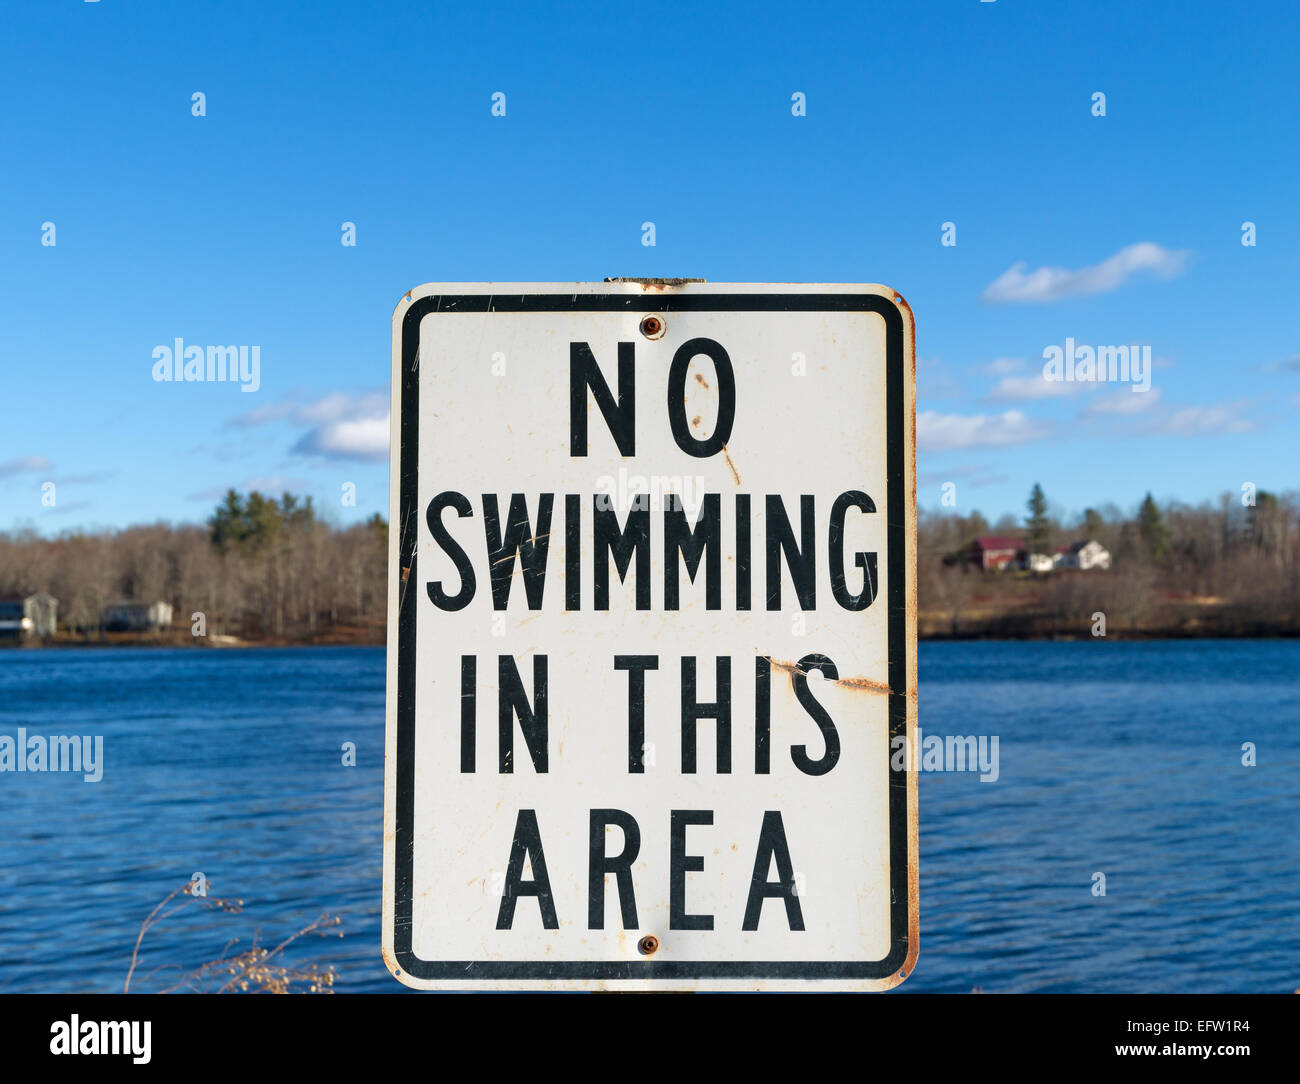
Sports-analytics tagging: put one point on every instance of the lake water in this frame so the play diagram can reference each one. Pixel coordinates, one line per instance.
(1123, 759)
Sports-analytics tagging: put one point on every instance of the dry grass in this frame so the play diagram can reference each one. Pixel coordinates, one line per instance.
(256, 969)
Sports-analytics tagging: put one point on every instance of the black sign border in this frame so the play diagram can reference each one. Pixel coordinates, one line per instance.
(898, 496)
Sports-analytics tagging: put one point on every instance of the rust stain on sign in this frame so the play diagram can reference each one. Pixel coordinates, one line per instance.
(726, 452)
(655, 283)
(530, 542)
(860, 684)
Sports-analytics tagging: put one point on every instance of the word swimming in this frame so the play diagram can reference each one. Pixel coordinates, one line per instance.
(213, 364)
(634, 546)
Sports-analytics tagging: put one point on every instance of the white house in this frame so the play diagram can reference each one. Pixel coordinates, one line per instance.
(1039, 562)
(1083, 555)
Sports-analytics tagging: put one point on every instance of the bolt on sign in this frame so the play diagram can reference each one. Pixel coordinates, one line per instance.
(652, 637)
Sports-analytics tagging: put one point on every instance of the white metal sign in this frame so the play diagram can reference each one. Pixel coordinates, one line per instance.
(651, 637)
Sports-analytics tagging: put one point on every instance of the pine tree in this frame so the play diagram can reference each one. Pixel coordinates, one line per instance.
(1152, 529)
(1038, 531)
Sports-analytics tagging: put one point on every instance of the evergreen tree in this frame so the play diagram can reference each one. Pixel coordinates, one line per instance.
(1152, 529)
(1261, 518)
(1038, 531)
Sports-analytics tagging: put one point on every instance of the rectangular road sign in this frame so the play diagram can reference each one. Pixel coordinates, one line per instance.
(652, 637)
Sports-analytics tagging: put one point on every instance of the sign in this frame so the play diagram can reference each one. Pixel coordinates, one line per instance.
(652, 637)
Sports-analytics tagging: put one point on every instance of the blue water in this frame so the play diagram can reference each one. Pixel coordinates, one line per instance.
(1115, 758)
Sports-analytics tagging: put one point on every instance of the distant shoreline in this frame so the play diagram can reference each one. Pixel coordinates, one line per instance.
(930, 635)
(184, 639)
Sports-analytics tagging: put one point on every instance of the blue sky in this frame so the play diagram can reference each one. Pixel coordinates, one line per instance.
(225, 228)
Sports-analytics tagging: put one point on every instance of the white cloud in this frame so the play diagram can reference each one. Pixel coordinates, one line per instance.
(1016, 285)
(1003, 366)
(1016, 383)
(27, 465)
(1036, 387)
(1209, 420)
(1127, 401)
(341, 425)
(336, 406)
(944, 432)
(358, 438)
(341, 407)
(272, 412)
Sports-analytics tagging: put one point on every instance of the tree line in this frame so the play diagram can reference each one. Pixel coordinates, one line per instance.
(261, 569)
(1224, 567)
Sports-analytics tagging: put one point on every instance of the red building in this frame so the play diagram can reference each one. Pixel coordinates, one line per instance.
(992, 553)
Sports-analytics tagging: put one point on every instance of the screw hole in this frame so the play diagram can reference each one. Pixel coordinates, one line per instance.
(653, 327)
(648, 945)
